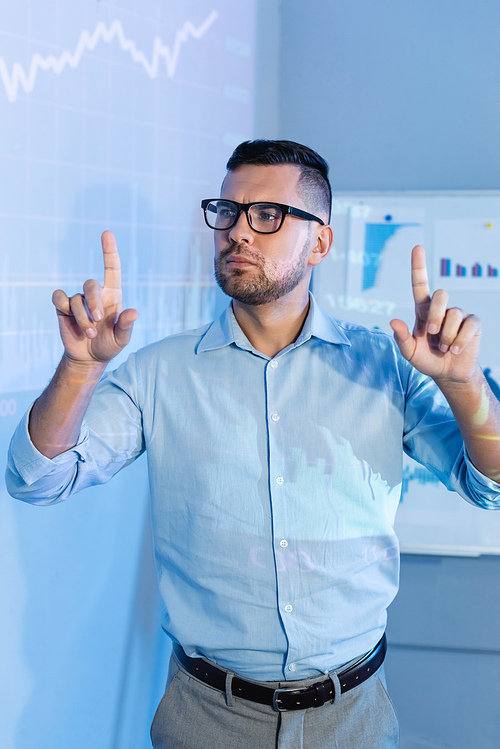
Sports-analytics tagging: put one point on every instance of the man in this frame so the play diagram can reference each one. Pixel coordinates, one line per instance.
(274, 439)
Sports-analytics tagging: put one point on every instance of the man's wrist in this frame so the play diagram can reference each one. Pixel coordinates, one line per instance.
(82, 372)
(471, 384)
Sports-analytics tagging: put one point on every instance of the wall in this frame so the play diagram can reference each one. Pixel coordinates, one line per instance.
(406, 95)
(396, 95)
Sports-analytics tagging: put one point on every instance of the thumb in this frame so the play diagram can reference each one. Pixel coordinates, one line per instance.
(404, 339)
(124, 326)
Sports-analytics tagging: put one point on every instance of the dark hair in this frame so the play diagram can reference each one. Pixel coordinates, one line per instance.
(313, 182)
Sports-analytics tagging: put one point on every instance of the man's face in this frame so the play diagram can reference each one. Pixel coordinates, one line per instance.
(258, 268)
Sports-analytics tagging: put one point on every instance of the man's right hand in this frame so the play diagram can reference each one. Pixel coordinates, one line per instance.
(94, 326)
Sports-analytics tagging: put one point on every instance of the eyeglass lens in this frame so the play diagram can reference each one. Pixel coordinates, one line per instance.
(263, 217)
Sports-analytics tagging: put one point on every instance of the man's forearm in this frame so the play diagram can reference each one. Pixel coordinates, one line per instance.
(57, 415)
(477, 413)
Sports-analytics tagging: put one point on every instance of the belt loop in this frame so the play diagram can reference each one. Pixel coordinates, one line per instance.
(229, 691)
(336, 685)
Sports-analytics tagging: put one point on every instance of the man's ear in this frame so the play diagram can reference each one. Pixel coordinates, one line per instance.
(322, 246)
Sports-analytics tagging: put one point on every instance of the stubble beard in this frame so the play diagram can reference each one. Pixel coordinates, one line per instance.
(255, 286)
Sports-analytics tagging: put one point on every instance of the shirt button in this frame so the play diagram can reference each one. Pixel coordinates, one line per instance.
(275, 416)
(292, 667)
(274, 364)
(288, 608)
(283, 543)
(280, 480)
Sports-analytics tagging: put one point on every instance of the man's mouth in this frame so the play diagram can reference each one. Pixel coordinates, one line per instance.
(238, 261)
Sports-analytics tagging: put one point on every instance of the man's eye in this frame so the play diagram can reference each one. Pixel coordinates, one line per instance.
(226, 212)
(268, 216)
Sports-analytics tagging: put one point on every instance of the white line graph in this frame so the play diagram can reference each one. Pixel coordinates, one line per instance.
(19, 78)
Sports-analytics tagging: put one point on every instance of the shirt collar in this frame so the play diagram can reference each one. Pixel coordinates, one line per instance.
(225, 330)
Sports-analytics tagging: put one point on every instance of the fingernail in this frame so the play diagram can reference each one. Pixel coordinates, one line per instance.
(432, 328)
(97, 315)
(443, 348)
(91, 332)
(455, 350)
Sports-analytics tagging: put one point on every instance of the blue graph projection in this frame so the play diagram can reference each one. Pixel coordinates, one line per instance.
(120, 115)
(20, 78)
(418, 475)
(113, 118)
(376, 238)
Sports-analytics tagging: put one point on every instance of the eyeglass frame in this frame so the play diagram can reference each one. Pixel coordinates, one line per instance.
(285, 211)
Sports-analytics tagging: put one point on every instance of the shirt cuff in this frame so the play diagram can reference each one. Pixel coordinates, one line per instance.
(479, 481)
(29, 462)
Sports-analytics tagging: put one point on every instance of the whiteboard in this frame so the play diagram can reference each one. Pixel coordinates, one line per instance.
(366, 280)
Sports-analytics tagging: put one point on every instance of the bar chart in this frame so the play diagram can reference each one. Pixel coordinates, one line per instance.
(467, 252)
(477, 270)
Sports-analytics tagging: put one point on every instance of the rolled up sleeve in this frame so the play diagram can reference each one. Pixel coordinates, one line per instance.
(110, 438)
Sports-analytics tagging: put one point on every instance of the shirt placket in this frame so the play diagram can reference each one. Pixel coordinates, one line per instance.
(283, 545)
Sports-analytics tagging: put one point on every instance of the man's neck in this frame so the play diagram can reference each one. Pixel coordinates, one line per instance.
(272, 327)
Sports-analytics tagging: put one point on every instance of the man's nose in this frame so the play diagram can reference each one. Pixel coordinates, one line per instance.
(241, 231)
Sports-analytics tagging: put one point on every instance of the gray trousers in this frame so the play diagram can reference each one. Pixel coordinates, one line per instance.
(192, 715)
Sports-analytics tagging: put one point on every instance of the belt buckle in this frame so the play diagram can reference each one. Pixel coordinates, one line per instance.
(287, 690)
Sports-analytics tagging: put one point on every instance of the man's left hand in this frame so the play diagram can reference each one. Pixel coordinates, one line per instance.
(445, 340)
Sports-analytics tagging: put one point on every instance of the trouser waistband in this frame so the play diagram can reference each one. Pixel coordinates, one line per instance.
(314, 695)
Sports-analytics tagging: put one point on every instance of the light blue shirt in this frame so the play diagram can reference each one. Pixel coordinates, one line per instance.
(274, 484)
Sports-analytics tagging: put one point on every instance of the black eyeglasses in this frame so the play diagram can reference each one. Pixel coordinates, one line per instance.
(264, 218)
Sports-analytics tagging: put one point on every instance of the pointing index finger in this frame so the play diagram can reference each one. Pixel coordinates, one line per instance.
(112, 264)
(419, 278)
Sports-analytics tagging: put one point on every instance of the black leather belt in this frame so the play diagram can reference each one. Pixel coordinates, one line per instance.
(285, 699)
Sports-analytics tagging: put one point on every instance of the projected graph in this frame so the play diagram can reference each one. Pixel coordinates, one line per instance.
(120, 115)
(477, 270)
(376, 238)
(111, 118)
(417, 475)
(467, 253)
(20, 78)
(30, 340)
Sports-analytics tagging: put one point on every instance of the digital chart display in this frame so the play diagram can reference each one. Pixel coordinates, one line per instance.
(366, 280)
(113, 115)
(120, 118)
